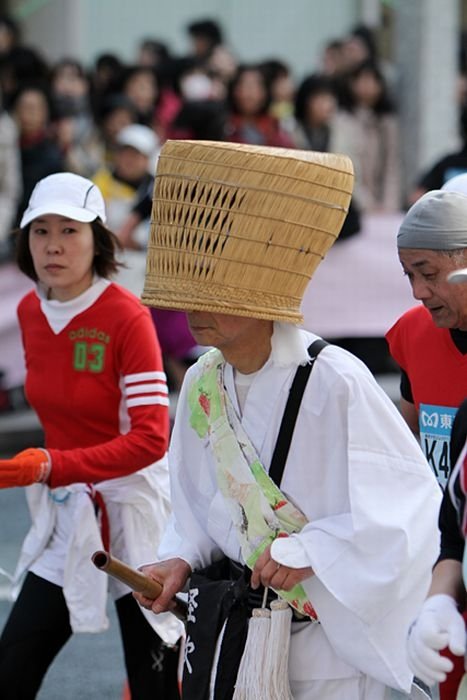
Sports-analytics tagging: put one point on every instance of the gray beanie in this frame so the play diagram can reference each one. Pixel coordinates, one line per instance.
(437, 221)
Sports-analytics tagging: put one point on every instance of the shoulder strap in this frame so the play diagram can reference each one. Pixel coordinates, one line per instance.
(292, 407)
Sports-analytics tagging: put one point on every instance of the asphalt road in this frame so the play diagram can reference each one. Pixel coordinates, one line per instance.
(90, 666)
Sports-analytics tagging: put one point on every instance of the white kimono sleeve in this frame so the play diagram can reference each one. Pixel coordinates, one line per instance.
(372, 560)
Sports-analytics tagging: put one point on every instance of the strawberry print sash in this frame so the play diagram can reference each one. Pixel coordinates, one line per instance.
(259, 510)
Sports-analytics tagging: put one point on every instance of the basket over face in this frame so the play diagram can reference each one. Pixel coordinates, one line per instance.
(240, 229)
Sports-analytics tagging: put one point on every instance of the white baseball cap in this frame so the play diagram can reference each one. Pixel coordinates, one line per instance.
(65, 194)
(139, 137)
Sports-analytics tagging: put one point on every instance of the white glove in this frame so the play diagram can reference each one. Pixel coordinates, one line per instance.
(438, 625)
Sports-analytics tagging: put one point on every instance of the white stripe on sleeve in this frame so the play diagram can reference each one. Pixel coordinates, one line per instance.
(157, 387)
(148, 401)
(145, 377)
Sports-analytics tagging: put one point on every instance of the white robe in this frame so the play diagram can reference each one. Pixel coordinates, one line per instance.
(360, 478)
(137, 505)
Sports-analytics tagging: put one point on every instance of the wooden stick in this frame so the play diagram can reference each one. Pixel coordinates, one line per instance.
(133, 578)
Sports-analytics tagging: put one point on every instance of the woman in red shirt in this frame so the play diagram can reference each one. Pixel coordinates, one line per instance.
(95, 379)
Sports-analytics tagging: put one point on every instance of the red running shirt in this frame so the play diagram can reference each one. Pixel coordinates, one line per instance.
(98, 387)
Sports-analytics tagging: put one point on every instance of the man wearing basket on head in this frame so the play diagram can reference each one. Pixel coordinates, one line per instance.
(338, 519)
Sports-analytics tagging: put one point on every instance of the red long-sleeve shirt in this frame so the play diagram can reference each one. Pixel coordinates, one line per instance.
(98, 387)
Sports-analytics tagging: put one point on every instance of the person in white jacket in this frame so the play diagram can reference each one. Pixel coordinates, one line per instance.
(349, 534)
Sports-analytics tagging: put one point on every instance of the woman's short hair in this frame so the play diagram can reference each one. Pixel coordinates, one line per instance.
(240, 72)
(105, 263)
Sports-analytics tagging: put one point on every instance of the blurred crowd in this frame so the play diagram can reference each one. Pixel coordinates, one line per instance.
(68, 116)
(108, 121)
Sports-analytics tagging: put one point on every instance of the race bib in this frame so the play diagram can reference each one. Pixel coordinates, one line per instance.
(435, 433)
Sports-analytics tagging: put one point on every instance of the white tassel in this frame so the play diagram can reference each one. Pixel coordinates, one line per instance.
(250, 678)
(276, 670)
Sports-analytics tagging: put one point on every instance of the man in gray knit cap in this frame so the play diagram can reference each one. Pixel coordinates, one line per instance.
(429, 342)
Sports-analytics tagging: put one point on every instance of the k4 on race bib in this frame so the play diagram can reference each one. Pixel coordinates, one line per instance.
(435, 433)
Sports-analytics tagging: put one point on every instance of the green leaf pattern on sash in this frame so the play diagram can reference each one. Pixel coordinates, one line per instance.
(203, 398)
(260, 512)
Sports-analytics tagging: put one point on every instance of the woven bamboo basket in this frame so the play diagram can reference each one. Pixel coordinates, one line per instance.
(240, 229)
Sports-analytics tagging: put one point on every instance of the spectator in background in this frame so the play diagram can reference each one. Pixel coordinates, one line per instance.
(105, 79)
(223, 65)
(98, 148)
(69, 88)
(448, 166)
(282, 87)
(39, 151)
(132, 172)
(141, 87)
(179, 349)
(207, 45)
(155, 104)
(367, 129)
(152, 52)
(10, 178)
(358, 47)
(116, 112)
(332, 60)
(73, 120)
(361, 45)
(315, 107)
(22, 66)
(155, 55)
(205, 35)
(122, 186)
(248, 119)
(201, 113)
(462, 71)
